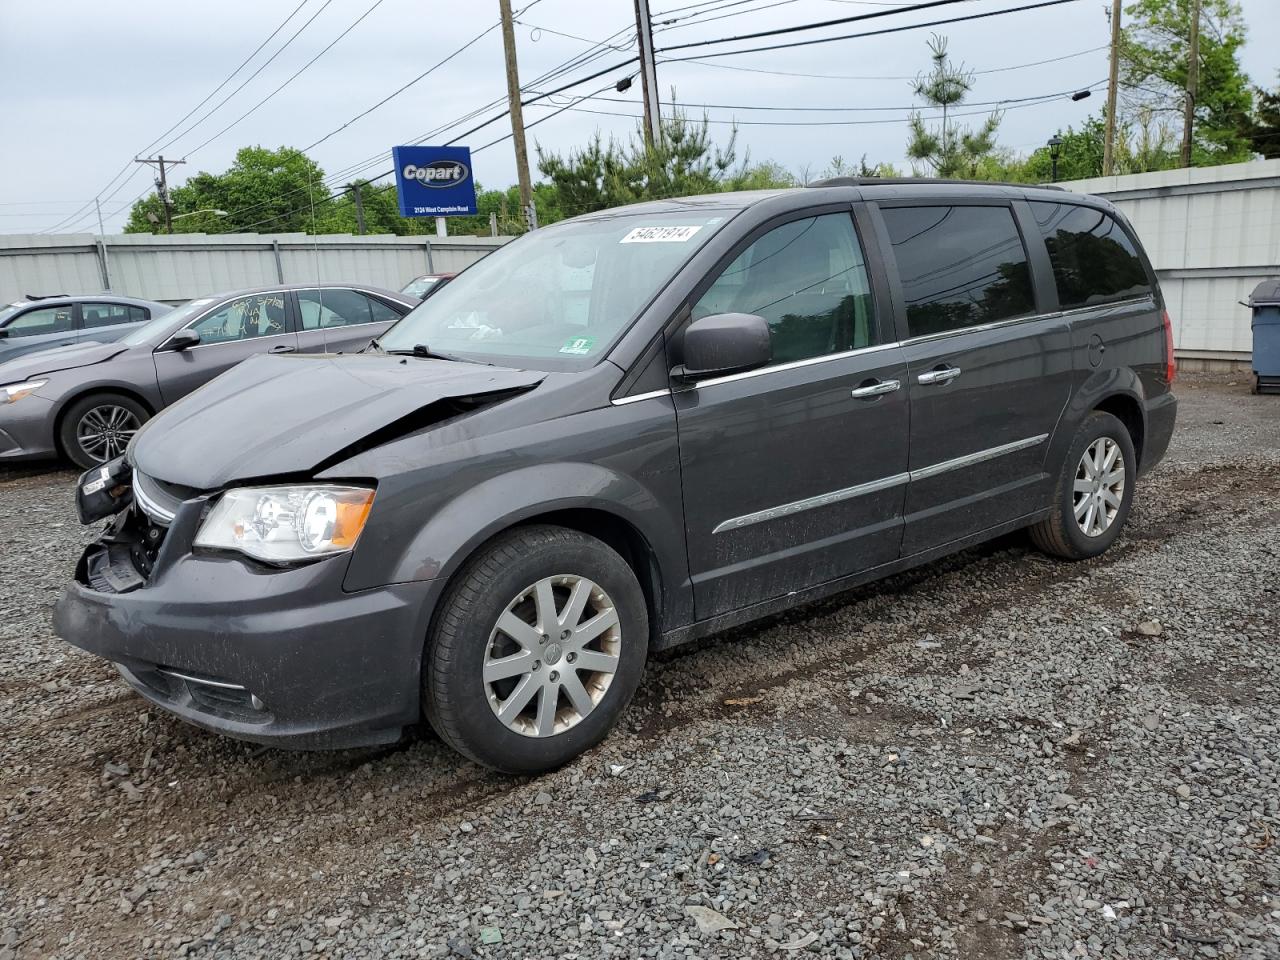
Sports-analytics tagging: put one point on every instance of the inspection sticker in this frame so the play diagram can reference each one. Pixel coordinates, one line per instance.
(660, 234)
(578, 346)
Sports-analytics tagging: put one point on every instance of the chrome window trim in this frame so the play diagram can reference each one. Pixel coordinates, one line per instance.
(794, 365)
(636, 398)
(1027, 318)
(810, 503)
(874, 486)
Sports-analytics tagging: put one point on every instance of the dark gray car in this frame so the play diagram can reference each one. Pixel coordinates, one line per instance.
(40, 323)
(616, 434)
(86, 402)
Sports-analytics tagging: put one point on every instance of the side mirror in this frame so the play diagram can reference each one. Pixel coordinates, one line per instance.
(4, 333)
(182, 340)
(724, 343)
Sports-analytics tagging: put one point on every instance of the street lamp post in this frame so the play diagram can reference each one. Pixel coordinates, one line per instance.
(1055, 150)
(216, 213)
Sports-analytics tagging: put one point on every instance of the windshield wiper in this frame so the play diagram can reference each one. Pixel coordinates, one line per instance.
(421, 351)
(373, 345)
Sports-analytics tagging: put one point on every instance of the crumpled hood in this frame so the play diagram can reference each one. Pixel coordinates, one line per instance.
(38, 364)
(280, 415)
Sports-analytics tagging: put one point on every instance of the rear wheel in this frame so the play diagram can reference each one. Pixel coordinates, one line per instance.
(1094, 491)
(538, 647)
(98, 428)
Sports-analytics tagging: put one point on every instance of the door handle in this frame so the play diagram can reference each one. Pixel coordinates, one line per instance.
(876, 389)
(282, 348)
(942, 375)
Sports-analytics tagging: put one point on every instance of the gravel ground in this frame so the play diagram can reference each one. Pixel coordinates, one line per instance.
(998, 755)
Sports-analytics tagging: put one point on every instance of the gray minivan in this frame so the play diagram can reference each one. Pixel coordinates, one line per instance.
(616, 434)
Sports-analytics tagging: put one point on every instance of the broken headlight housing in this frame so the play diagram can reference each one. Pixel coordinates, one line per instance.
(287, 524)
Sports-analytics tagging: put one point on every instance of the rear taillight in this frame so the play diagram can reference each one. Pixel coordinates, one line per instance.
(1170, 364)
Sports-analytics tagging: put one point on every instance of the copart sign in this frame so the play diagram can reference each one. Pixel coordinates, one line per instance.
(434, 181)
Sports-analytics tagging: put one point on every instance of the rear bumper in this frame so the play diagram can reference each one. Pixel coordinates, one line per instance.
(1162, 414)
(280, 657)
(26, 430)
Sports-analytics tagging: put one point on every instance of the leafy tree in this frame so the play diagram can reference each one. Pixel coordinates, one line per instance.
(1154, 56)
(684, 162)
(263, 190)
(951, 150)
(1265, 129)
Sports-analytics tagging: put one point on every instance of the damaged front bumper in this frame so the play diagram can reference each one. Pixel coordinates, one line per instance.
(282, 656)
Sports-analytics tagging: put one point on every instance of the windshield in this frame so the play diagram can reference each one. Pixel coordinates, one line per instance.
(420, 286)
(157, 326)
(557, 298)
(6, 313)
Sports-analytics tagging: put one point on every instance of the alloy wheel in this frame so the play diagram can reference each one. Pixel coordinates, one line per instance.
(1099, 487)
(552, 655)
(104, 432)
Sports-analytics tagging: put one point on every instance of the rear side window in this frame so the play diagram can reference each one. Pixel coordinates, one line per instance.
(961, 266)
(808, 279)
(109, 314)
(1094, 260)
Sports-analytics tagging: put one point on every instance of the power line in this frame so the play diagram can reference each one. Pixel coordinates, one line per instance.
(845, 76)
(243, 63)
(1026, 102)
(854, 36)
(80, 214)
(293, 77)
(791, 109)
(310, 20)
(820, 24)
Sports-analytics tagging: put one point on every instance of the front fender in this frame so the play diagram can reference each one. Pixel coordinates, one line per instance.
(453, 531)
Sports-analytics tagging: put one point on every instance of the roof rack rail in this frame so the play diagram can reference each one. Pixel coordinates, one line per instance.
(894, 181)
(44, 296)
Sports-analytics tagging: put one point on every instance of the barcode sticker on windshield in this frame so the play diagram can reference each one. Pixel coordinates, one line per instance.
(660, 234)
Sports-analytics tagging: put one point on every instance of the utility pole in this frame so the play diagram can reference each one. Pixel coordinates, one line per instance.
(162, 185)
(1109, 144)
(514, 108)
(1193, 79)
(648, 74)
(359, 202)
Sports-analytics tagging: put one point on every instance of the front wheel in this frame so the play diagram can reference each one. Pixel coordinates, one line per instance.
(536, 650)
(1094, 491)
(98, 428)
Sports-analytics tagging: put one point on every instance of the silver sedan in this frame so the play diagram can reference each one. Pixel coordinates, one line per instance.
(85, 402)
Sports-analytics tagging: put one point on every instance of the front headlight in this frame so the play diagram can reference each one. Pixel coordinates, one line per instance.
(13, 392)
(285, 524)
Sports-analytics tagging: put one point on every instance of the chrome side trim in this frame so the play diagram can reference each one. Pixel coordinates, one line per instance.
(1051, 315)
(795, 364)
(980, 456)
(848, 493)
(200, 680)
(810, 503)
(636, 398)
(149, 506)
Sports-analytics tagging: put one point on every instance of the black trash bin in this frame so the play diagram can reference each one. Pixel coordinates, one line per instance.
(1265, 304)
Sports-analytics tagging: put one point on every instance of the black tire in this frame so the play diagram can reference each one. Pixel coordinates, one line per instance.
(70, 437)
(1060, 534)
(455, 696)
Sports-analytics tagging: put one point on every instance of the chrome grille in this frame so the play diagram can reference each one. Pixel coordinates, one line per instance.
(159, 505)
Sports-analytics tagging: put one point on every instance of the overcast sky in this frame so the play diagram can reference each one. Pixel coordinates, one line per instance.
(87, 85)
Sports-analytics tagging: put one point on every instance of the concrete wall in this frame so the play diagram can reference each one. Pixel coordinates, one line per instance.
(1212, 234)
(195, 264)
